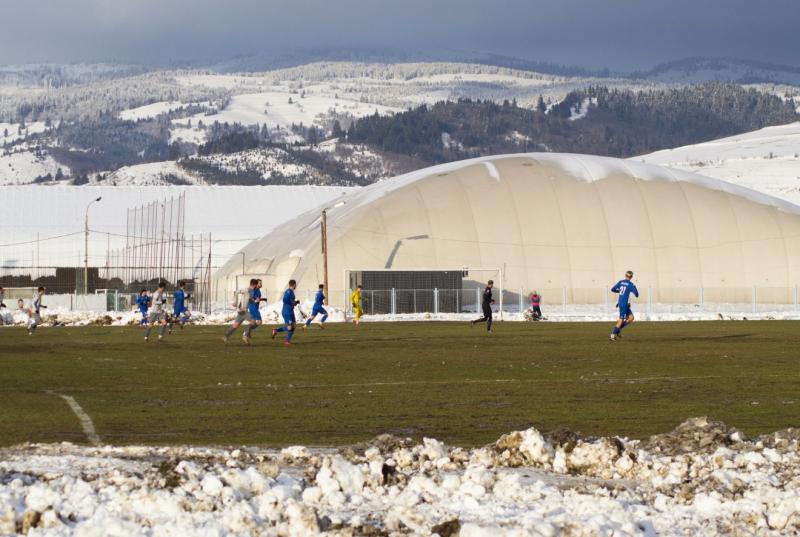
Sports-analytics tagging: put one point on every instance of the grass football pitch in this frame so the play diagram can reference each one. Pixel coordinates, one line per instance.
(345, 384)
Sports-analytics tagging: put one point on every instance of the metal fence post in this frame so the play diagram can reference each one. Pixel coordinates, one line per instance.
(477, 299)
(394, 302)
(436, 300)
(415, 301)
(520, 300)
(564, 300)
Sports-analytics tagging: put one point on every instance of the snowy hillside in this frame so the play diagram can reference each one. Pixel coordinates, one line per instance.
(402, 85)
(693, 70)
(149, 111)
(23, 165)
(767, 160)
(150, 174)
(112, 126)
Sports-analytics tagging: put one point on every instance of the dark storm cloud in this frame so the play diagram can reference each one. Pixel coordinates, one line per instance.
(620, 34)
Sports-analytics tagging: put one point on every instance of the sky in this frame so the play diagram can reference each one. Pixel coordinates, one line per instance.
(622, 35)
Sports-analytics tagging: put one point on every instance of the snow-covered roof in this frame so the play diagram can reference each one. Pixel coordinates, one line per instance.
(589, 168)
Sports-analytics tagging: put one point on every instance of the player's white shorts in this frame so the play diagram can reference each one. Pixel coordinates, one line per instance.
(242, 316)
(156, 316)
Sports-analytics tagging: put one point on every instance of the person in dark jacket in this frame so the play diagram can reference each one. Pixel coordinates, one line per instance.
(486, 306)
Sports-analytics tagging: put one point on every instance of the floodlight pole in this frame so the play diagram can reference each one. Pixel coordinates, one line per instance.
(324, 229)
(86, 248)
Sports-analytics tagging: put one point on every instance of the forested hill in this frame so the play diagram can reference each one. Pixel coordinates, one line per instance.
(597, 120)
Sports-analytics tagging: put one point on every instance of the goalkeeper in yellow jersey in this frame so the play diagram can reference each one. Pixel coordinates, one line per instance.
(355, 301)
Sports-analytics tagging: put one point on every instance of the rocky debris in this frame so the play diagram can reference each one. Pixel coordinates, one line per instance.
(783, 439)
(563, 438)
(524, 448)
(103, 320)
(695, 435)
(450, 528)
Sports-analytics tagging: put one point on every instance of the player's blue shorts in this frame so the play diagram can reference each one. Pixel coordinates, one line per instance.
(144, 318)
(178, 311)
(625, 311)
(318, 310)
(255, 313)
(288, 316)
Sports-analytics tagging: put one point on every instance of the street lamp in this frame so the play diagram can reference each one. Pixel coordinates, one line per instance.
(324, 230)
(86, 247)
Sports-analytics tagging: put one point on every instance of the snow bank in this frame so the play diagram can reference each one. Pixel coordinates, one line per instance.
(271, 314)
(702, 478)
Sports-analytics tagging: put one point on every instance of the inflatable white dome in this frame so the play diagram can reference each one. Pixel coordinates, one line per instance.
(548, 221)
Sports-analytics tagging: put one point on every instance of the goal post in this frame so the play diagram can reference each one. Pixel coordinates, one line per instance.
(400, 291)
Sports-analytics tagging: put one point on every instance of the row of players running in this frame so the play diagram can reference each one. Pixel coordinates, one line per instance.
(248, 302)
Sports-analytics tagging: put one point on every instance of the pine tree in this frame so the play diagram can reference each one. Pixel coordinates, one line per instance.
(313, 137)
(337, 131)
(540, 106)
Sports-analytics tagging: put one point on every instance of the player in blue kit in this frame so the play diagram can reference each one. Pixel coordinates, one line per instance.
(289, 303)
(318, 309)
(253, 308)
(143, 303)
(625, 288)
(180, 312)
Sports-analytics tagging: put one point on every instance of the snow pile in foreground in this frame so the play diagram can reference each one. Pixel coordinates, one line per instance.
(702, 478)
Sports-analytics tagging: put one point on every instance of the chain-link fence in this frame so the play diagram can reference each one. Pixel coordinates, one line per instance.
(578, 301)
(72, 289)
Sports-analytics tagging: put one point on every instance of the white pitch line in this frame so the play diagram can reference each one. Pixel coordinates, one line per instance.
(83, 417)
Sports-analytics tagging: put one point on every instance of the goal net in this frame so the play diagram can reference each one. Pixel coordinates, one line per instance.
(395, 291)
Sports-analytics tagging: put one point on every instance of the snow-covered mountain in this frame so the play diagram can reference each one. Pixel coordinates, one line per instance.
(694, 70)
(767, 160)
(183, 105)
(180, 106)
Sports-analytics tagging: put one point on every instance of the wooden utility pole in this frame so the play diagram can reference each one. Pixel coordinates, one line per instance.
(324, 228)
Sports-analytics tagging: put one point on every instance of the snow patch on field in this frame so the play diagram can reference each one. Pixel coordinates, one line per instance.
(149, 111)
(189, 135)
(701, 478)
(22, 166)
(13, 130)
(150, 174)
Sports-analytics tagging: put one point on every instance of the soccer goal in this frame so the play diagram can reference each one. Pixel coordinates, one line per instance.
(398, 291)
